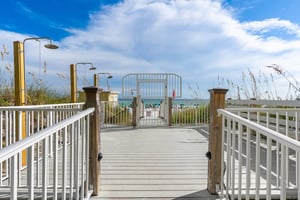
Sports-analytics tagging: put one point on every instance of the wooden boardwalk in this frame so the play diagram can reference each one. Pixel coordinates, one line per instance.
(164, 163)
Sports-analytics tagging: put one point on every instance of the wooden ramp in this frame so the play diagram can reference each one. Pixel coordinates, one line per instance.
(154, 164)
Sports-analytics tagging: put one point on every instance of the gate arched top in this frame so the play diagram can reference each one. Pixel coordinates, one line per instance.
(152, 85)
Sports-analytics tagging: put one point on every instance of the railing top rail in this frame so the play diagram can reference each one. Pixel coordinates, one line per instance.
(293, 103)
(291, 143)
(39, 109)
(245, 109)
(17, 147)
(38, 106)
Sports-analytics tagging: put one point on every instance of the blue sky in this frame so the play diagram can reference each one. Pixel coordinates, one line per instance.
(210, 43)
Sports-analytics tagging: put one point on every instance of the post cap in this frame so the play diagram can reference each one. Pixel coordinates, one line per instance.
(218, 90)
(91, 89)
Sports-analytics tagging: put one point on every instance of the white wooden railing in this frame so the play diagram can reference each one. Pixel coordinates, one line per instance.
(113, 113)
(17, 122)
(262, 103)
(34, 118)
(261, 153)
(155, 113)
(52, 161)
(190, 113)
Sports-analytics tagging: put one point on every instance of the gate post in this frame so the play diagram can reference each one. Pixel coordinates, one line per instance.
(134, 111)
(170, 105)
(217, 101)
(92, 100)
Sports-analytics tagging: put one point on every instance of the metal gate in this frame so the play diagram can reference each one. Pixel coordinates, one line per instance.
(152, 91)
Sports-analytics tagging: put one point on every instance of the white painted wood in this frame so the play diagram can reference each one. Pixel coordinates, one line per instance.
(82, 161)
(269, 165)
(283, 173)
(55, 167)
(298, 172)
(265, 152)
(30, 175)
(45, 168)
(76, 161)
(240, 145)
(257, 166)
(14, 179)
(72, 143)
(65, 160)
(87, 155)
(51, 176)
(154, 163)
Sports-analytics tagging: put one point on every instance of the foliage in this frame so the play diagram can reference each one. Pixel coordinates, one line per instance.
(261, 85)
(44, 95)
(191, 115)
(37, 92)
(7, 97)
(35, 96)
(117, 115)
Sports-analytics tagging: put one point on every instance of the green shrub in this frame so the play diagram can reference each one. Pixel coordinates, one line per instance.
(117, 115)
(191, 115)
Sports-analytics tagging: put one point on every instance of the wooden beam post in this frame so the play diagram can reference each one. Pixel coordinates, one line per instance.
(92, 100)
(170, 102)
(134, 111)
(217, 101)
(73, 83)
(20, 93)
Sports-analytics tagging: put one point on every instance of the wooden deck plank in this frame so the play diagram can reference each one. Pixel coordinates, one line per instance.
(154, 164)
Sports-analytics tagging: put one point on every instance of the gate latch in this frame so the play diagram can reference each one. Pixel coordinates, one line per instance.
(208, 155)
(100, 156)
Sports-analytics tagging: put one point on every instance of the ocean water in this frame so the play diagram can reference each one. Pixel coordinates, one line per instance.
(157, 102)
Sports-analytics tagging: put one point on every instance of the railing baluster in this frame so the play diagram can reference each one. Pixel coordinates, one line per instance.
(64, 168)
(45, 169)
(30, 172)
(248, 158)
(269, 168)
(277, 150)
(287, 151)
(296, 137)
(233, 157)
(38, 164)
(38, 151)
(43, 125)
(222, 155)
(55, 168)
(283, 173)
(298, 173)
(257, 165)
(7, 134)
(87, 155)
(228, 149)
(72, 140)
(83, 132)
(20, 132)
(11, 125)
(269, 161)
(13, 177)
(7, 142)
(1, 145)
(76, 176)
(49, 123)
(240, 153)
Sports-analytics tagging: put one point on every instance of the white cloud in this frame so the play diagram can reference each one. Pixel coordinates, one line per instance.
(271, 24)
(199, 40)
